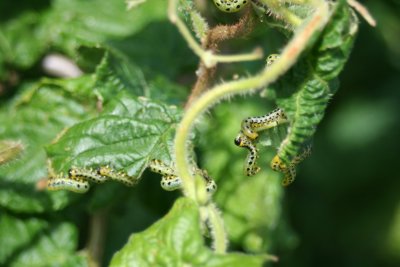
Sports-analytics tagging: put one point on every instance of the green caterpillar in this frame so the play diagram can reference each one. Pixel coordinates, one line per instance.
(170, 181)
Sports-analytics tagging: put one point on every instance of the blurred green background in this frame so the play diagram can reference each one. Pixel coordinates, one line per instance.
(344, 207)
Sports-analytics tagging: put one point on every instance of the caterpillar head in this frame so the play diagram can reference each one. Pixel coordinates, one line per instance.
(242, 140)
(230, 6)
(277, 164)
(271, 59)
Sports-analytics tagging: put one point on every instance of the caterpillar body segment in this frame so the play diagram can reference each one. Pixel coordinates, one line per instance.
(65, 183)
(251, 125)
(250, 166)
(171, 181)
(86, 174)
(119, 176)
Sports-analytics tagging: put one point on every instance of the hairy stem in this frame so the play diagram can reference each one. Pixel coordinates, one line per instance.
(206, 56)
(288, 57)
(217, 229)
(212, 40)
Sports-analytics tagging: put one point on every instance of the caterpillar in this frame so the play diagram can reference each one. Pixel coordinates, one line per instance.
(211, 186)
(119, 176)
(86, 174)
(170, 181)
(250, 167)
(251, 125)
(230, 6)
(289, 171)
(65, 183)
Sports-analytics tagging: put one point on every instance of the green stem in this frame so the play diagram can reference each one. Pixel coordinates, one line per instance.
(288, 58)
(217, 229)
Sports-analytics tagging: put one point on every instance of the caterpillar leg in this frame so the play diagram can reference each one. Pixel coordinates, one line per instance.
(250, 166)
(251, 125)
(65, 183)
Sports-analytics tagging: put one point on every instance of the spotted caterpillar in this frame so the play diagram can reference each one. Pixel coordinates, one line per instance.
(250, 167)
(78, 178)
(289, 171)
(170, 181)
(250, 126)
(60, 182)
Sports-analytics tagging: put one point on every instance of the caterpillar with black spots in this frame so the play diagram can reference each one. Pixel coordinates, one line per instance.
(250, 166)
(60, 182)
(171, 181)
(251, 125)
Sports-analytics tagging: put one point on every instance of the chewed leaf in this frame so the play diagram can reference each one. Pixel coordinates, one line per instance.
(126, 136)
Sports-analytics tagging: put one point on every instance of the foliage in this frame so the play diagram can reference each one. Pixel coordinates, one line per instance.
(127, 106)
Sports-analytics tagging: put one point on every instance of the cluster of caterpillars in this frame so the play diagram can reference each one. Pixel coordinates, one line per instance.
(171, 181)
(78, 179)
(249, 133)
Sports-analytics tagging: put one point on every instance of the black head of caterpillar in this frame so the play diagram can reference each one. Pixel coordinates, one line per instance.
(250, 166)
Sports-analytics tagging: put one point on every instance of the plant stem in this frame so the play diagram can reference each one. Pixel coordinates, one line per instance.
(217, 229)
(288, 57)
(206, 56)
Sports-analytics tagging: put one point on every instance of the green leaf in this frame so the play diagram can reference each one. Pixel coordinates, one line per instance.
(34, 242)
(176, 240)
(35, 118)
(251, 206)
(67, 24)
(128, 133)
(304, 91)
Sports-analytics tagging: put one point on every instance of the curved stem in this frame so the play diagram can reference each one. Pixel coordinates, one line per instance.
(288, 58)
